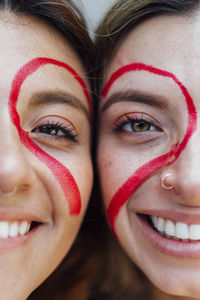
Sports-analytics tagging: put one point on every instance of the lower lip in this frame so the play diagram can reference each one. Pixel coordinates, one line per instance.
(170, 246)
(13, 242)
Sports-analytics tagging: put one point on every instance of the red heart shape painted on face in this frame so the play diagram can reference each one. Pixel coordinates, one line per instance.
(141, 174)
(61, 173)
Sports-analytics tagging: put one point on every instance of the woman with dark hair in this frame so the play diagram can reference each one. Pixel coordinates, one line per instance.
(46, 171)
(147, 55)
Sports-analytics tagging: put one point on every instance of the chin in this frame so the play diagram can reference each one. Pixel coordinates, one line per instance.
(175, 285)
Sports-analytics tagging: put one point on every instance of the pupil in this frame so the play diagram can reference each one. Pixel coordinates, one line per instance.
(48, 130)
(140, 126)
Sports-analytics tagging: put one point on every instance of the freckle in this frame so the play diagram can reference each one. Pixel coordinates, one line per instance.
(145, 171)
(107, 164)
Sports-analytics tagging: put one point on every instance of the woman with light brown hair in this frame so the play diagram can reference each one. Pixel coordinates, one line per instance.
(147, 56)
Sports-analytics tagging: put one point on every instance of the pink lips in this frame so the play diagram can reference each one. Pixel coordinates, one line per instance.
(61, 173)
(145, 171)
(169, 246)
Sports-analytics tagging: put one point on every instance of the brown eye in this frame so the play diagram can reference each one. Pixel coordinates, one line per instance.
(57, 131)
(48, 129)
(140, 126)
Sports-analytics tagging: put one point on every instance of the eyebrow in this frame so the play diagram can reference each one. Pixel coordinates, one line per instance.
(42, 98)
(135, 96)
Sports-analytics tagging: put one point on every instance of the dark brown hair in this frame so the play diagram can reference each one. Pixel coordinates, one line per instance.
(72, 278)
(64, 16)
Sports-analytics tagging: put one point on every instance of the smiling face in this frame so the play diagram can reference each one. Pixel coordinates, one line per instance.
(148, 129)
(44, 152)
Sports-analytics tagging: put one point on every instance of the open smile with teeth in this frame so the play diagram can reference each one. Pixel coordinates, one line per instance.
(175, 230)
(14, 228)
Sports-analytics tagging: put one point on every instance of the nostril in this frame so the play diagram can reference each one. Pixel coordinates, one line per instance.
(8, 193)
(23, 187)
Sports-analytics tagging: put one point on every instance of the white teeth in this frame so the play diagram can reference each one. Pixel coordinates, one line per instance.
(176, 230)
(161, 225)
(28, 227)
(194, 232)
(182, 231)
(13, 229)
(4, 229)
(24, 227)
(169, 228)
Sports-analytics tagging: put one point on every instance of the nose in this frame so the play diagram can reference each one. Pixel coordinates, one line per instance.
(15, 170)
(184, 174)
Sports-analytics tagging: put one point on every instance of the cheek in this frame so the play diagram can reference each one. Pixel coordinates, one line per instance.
(83, 174)
(130, 185)
(107, 168)
(60, 172)
(115, 167)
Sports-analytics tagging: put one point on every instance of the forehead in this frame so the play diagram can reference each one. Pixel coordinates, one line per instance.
(166, 42)
(24, 38)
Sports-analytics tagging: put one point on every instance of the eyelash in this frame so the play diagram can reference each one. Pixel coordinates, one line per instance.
(68, 133)
(126, 119)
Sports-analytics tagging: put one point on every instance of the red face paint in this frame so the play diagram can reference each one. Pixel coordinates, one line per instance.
(145, 171)
(61, 173)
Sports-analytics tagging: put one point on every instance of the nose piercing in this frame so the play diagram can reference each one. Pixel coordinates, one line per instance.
(12, 192)
(164, 182)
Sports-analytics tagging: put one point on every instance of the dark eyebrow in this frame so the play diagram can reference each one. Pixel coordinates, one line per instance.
(135, 96)
(42, 98)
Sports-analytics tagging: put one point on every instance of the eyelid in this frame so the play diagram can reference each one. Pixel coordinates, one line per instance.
(52, 119)
(70, 133)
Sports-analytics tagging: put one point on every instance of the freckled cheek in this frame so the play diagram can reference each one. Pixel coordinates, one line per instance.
(114, 168)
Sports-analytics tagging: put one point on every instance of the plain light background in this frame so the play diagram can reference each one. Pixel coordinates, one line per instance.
(94, 11)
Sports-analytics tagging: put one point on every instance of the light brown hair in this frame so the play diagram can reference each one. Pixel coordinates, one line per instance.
(124, 16)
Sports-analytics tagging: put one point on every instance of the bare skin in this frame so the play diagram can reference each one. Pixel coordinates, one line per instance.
(61, 130)
(134, 132)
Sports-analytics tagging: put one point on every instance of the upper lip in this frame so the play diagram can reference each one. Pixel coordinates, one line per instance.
(15, 215)
(173, 215)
